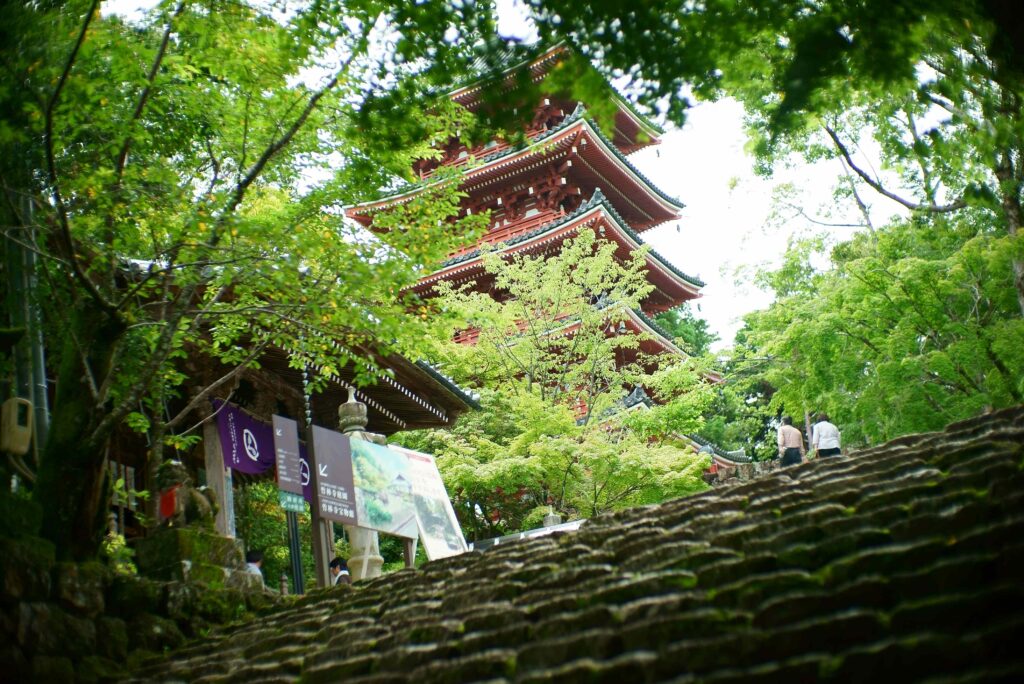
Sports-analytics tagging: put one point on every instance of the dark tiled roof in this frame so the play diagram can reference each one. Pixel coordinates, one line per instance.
(737, 456)
(598, 198)
(469, 399)
(902, 562)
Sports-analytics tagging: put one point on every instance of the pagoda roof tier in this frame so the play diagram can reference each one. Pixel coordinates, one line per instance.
(655, 339)
(580, 150)
(672, 286)
(633, 130)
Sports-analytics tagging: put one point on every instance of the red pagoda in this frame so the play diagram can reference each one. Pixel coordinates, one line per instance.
(568, 176)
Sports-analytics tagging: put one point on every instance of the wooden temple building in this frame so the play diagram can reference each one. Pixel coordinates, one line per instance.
(405, 395)
(568, 176)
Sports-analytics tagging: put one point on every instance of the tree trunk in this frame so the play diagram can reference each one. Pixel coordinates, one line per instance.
(73, 486)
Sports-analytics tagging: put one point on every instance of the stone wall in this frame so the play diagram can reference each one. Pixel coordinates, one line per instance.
(901, 563)
(72, 622)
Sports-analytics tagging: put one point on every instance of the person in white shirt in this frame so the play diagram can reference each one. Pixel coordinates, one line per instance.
(825, 437)
(253, 563)
(339, 572)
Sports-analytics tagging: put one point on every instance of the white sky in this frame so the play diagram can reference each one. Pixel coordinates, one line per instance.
(722, 235)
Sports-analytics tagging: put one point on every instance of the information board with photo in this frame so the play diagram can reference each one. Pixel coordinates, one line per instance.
(439, 529)
(384, 494)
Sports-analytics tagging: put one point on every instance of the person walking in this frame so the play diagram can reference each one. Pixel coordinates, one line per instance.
(339, 572)
(254, 564)
(825, 437)
(791, 443)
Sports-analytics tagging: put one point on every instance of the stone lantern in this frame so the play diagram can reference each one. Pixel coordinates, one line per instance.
(366, 561)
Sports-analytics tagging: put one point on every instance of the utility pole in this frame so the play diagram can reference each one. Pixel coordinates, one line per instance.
(23, 307)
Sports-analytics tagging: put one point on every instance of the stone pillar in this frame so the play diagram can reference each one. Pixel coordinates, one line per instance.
(218, 479)
(366, 561)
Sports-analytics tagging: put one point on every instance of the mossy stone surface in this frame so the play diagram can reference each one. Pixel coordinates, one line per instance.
(25, 569)
(22, 517)
(111, 638)
(45, 629)
(52, 669)
(153, 633)
(129, 597)
(80, 587)
(160, 555)
(96, 669)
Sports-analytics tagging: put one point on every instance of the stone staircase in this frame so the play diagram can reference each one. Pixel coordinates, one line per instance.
(905, 562)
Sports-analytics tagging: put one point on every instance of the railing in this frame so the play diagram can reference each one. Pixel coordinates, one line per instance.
(506, 233)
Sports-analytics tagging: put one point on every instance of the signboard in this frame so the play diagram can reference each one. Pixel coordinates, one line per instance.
(389, 489)
(438, 527)
(334, 493)
(289, 464)
(246, 443)
(384, 491)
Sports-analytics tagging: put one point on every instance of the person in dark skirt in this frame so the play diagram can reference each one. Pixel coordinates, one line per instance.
(791, 443)
(825, 437)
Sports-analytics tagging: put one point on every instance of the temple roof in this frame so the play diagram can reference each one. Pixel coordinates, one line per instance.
(900, 561)
(508, 61)
(501, 161)
(597, 202)
(406, 395)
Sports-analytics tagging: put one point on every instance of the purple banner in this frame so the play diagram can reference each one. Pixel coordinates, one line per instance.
(247, 443)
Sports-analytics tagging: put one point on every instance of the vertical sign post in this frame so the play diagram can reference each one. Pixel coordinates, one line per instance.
(289, 482)
(289, 474)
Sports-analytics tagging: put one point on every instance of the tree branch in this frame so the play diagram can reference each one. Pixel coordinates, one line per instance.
(198, 398)
(913, 206)
(51, 167)
(140, 106)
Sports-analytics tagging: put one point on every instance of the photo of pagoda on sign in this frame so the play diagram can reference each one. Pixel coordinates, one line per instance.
(384, 498)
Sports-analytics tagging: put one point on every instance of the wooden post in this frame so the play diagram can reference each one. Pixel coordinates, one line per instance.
(218, 479)
(410, 552)
(323, 549)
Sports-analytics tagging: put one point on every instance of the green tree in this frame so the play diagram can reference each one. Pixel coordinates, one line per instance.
(553, 369)
(186, 182)
(907, 331)
(508, 465)
(551, 325)
(685, 327)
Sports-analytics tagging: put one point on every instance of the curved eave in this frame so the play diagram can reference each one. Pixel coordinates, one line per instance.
(404, 395)
(460, 394)
(467, 95)
(642, 324)
(597, 208)
(560, 140)
(641, 123)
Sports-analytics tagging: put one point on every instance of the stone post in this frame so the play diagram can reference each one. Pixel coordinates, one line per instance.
(366, 561)
(218, 479)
